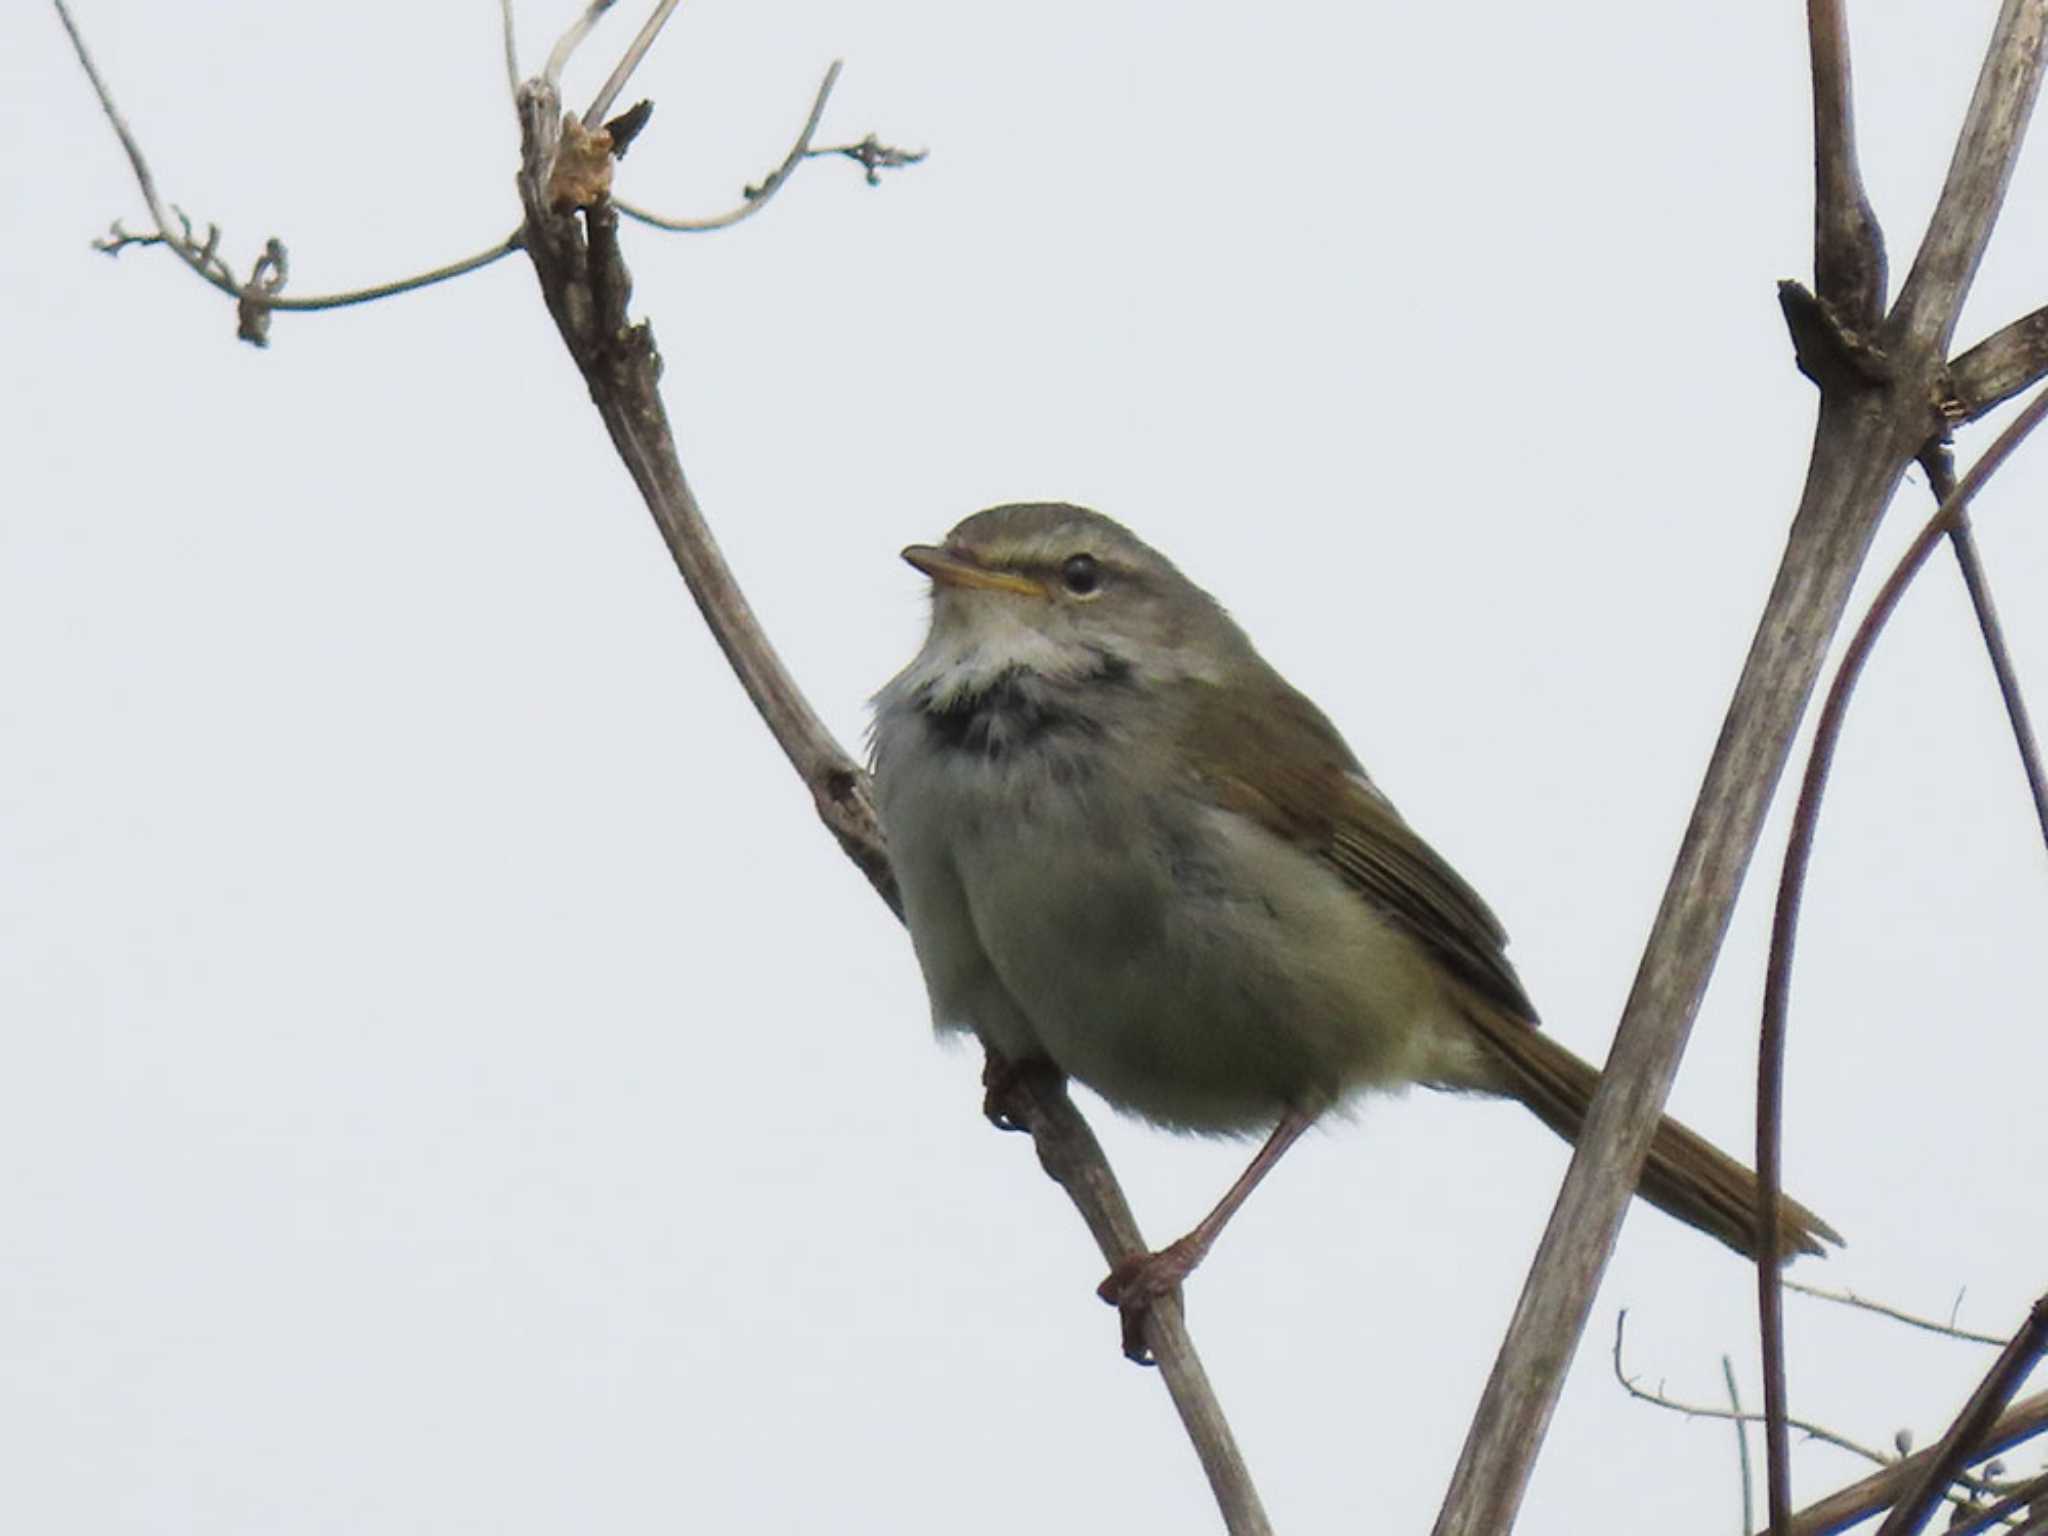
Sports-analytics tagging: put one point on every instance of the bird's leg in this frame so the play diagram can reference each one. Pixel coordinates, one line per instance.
(1137, 1282)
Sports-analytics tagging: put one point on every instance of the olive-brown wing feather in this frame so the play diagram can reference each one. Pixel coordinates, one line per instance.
(1270, 754)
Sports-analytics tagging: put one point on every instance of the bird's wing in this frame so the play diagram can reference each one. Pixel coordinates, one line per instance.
(1270, 754)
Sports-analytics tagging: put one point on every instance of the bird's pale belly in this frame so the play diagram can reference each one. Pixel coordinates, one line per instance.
(1207, 980)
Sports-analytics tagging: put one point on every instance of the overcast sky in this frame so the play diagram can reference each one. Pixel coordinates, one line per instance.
(451, 1082)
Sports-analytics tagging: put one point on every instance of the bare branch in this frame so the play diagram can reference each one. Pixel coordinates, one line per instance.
(1859, 456)
(1979, 584)
(2032, 1492)
(1986, 149)
(872, 154)
(1941, 479)
(1851, 1299)
(623, 70)
(1741, 1437)
(1784, 936)
(260, 291)
(587, 288)
(1870, 429)
(1964, 1442)
(466, 264)
(1999, 367)
(569, 42)
(135, 159)
(1069, 1153)
(1658, 1398)
(1860, 1500)
(511, 49)
(619, 359)
(1848, 245)
(260, 295)
(754, 198)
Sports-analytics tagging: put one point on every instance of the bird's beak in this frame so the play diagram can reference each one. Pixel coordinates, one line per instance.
(950, 569)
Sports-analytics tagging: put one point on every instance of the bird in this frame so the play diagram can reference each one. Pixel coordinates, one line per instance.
(1130, 852)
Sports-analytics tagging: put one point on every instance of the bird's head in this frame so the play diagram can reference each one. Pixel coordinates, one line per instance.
(1065, 595)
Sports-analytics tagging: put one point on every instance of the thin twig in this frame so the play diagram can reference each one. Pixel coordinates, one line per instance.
(623, 70)
(1741, 1440)
(1771, 1299)
(1659, 1398)
(872, 155)
(511, 50)
(570, 41)
(467, 264)
(1979, 585)
(1851, 1299)
(1784, 937)
(1941, 480)
(755, 198)
(1963, 1443)
(206, 262)
(1860, 1500)
(203, 256)
(2029, 1492)
(141, 166)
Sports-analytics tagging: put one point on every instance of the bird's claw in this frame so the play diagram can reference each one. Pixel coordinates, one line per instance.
(1004, 1095)
(1137, 1282)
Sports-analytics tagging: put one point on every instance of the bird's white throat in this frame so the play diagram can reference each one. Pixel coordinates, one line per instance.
(976, 642)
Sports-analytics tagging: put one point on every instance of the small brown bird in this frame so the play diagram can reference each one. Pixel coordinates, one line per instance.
(1127, 847)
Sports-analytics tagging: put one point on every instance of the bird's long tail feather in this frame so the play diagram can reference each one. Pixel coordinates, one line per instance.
(1686, 1174)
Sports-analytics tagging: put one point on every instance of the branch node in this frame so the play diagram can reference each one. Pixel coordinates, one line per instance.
(1834, 354)
(873, 156)
(627, 125)
(581, 175)
(117, 239)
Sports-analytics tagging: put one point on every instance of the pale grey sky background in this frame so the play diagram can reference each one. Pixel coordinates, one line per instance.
(451, 1083)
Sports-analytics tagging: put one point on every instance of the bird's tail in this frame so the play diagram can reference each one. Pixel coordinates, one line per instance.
(1686, 1174)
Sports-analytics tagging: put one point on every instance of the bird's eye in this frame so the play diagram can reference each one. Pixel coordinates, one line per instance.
(1082, 574)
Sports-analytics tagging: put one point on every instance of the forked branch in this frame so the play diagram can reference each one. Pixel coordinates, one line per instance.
(1657, 1397)
(586, 286)
(873, 155)
(256, 298)
(1877, 414)
(261, 294)
(1881, 1490)
(1965, 1440)
(1785, 928)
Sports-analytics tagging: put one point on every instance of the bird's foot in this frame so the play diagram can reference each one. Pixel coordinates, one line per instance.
(1136, 1283)
(1006, 1086)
